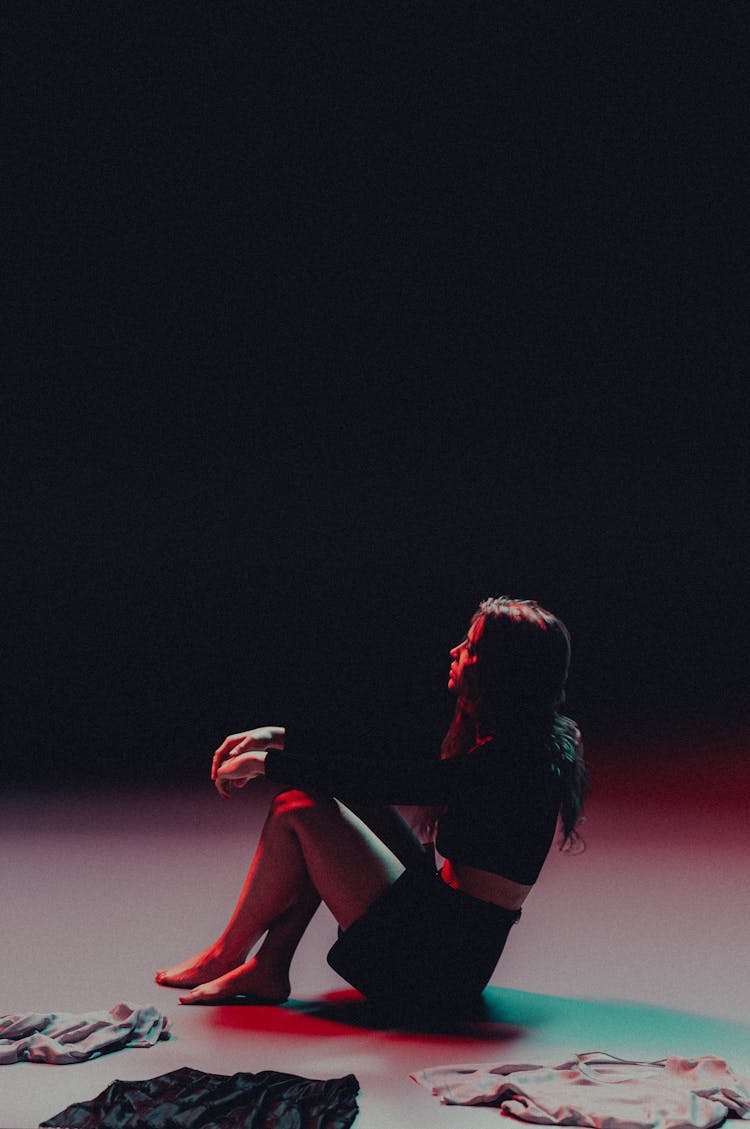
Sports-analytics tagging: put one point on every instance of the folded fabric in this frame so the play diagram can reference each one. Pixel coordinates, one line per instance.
(190, 1098)
(601, 1091)
(64, 1037)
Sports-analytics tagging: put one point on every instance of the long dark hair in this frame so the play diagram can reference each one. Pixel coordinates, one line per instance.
(523, 659)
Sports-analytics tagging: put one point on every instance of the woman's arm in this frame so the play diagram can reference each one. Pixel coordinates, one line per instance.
(377, 779)
(390, 778)
(386, 775)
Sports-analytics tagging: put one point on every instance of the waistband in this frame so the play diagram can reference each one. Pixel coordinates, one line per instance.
(470, 904)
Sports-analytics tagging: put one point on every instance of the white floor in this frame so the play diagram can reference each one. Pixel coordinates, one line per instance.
(637, 946)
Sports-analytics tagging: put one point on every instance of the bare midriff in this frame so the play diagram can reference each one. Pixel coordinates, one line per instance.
(484, 885)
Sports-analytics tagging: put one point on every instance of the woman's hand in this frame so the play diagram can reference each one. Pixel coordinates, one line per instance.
(241, 756)
(235, 772)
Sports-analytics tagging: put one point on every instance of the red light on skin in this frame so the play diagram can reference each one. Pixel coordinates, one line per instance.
(462, 677)
(293, 800)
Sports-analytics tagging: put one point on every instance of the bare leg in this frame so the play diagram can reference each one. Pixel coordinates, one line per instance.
(392, 829)
(271, 963)
(230, 950)
(311, 847)
(266, 976)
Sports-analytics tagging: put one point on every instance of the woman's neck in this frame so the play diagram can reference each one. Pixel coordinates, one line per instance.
(465, 730)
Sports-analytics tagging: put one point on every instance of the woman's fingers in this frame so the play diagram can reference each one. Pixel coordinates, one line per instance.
(243, 765)
(226, 787)
(225, 750)
(222, 787)
(234, 773)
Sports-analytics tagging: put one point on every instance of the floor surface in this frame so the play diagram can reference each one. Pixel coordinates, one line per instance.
(638, 946)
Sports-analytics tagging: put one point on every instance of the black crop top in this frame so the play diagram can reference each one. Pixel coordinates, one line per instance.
(500, 804)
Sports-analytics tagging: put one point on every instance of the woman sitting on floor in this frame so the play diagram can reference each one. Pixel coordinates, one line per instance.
(410, 939)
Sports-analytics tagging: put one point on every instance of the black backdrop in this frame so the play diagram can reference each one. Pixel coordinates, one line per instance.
(335, 324)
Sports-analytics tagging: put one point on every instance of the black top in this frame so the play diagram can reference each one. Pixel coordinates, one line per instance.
(500, 803)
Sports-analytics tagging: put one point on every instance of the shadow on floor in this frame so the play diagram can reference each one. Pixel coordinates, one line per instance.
(347, 1013)
(504, 1015)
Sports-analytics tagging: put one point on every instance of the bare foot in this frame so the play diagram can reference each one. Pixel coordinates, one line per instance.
(206, 965)
(261, 985)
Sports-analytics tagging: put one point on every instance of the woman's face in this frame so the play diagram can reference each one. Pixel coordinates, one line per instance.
(463, 678)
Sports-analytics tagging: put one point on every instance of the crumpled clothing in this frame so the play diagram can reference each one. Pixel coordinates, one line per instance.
(601, 1091)
(63, 1037)
(189, 1098)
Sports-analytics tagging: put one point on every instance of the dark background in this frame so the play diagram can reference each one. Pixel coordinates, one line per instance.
(333, 324)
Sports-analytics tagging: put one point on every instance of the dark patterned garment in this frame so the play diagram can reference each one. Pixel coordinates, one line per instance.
(192, 1099)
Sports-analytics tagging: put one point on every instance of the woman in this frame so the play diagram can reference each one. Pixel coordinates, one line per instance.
(410, 939)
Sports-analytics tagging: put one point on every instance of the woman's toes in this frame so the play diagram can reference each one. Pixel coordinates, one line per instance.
(163, 977)
(198, 994)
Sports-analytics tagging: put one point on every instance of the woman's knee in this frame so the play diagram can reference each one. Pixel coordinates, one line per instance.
(295, 801)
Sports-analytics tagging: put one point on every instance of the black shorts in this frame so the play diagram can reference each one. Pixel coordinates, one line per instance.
(423, 946)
